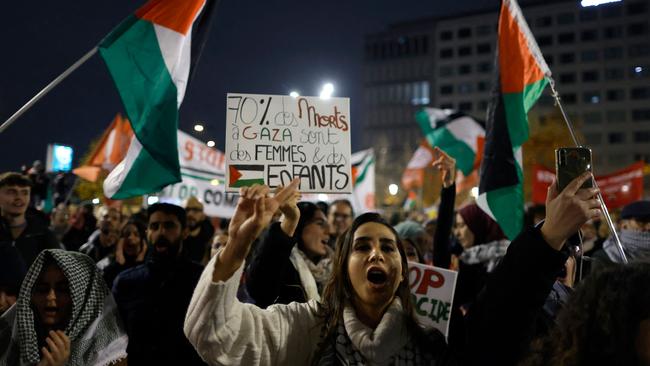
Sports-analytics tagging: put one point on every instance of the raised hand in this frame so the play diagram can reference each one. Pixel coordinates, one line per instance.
(58, 352)
(291, 213)
(446, 165)
(568, 210)
(254, 212)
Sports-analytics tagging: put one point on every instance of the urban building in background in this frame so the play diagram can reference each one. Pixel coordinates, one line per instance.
(599, 56)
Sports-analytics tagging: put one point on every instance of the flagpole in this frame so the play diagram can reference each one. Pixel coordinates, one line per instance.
(47, 89)
(603, 207)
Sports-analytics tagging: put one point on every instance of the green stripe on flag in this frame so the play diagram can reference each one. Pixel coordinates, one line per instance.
(362, 176)
(247, 182)
(445, 140)
(133, 56)
(517, 106)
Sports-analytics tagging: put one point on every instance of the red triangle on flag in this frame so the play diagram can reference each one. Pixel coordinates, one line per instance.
(234, 174)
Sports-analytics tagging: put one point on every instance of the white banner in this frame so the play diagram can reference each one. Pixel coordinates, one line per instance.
(272, 139)
(433, 292)
(202, 170)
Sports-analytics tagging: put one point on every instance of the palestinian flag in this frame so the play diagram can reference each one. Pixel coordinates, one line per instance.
(245, 175)
(413, 175)
(363, 178)
(455, 133)
(517, 89)
(150, 56)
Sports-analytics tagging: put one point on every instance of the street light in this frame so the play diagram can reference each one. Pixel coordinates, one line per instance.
(198, 127)
(95, 201)
(393, 189)
(211, 143)
(152, 200)
(214, 182)
(294, 94)
(474, 192)
(327, 91)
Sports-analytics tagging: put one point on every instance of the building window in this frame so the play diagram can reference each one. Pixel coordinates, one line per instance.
(465, 88)
(545, 21)
(446, 71)
(642, 136)
(589, 35)
(613, 53)
(549, 59)
(567, 78)
(567, 58)
(594, 138)
(484, 67)
(616, 137)
(569, 98)
(483, 48)
(640, 93)
(446, 89)
(591, 97)
(566, 18)
(590, 76)
(639, 50)
(637, 8)
(637, 29)
(464, 51)
(614, 74)
(641, 115)
(640, 72)
(545, 41)
(616, 116)
(592, 118)
(447, 53)
(590, 55)
(566, 38)
(615, 95)
(464, 69)
(483, 86)
(613, 32)
(465, 106)
(446, 35)
(588, 14)
(464, 33)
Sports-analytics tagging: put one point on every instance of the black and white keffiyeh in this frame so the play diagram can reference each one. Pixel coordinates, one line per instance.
(636, 245)
(96, 334)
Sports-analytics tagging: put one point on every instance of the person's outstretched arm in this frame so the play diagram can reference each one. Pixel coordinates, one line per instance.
(500, 323)
(441, 240)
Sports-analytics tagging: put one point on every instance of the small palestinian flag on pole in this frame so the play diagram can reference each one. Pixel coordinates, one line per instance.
(151, 56)
(521, 74)
(245, 175)
(455, 133)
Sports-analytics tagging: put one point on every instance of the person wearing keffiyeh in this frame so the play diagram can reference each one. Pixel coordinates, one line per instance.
(64, 315)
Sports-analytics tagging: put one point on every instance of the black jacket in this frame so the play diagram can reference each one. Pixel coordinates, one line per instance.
(152, 299)
(501, 323)
(195, 247)
(271, 278)
(35, 238)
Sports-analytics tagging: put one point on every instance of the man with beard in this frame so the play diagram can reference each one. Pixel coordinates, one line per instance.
(153, 297)
(26, 235)
(197, 244)
(102, 242)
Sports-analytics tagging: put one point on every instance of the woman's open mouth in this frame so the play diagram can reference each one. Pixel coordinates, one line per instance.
(377, 277)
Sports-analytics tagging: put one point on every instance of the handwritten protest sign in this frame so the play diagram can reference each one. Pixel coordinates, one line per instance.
(272, 139)
(202, 170)
(432, 289)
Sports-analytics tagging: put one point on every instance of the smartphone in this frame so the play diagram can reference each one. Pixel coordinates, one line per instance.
(570, 163)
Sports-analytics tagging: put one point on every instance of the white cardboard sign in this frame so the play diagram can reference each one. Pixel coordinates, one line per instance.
(272, 139)
(432, 289)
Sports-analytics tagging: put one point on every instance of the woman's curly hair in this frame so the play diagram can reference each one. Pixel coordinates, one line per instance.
(600, 323)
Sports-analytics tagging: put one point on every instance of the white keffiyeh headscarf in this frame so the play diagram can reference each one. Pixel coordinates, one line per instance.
(95, 331)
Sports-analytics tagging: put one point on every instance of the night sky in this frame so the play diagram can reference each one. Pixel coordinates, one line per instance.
(263, 46)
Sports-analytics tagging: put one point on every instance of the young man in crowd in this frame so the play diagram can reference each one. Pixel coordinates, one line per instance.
(26, 235)
(196, 246)
(634, 234)
(339, 216)
(102, 242)
(153, 297)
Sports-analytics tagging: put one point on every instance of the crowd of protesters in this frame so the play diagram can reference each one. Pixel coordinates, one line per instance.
(290, 282)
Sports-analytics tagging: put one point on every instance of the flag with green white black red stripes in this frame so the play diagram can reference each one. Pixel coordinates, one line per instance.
(521, 76)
